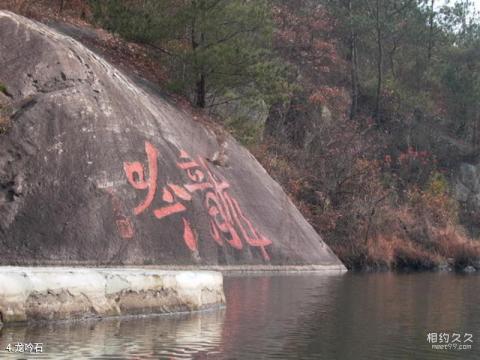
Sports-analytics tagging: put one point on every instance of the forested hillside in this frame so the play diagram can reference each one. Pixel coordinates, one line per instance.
(367, 112)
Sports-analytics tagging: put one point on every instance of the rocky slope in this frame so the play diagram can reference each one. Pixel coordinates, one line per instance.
(95, 169)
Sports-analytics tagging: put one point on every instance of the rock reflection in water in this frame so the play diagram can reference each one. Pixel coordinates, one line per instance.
(266, 312)
(154, 337)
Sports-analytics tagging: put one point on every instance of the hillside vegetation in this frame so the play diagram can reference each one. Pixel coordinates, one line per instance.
(364, 111)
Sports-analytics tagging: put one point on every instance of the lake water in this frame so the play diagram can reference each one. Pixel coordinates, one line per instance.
(349, 316)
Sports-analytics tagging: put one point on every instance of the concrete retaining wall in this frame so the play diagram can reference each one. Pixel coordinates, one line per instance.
(75, 293)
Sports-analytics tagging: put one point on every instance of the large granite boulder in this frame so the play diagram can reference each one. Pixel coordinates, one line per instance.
(96, 169)
(467, 191)
(467, 184)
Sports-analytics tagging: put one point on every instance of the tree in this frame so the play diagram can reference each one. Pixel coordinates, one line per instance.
(216, 49)
(373, 32)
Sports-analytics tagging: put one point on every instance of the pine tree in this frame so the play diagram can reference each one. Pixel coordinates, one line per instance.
(217, 49)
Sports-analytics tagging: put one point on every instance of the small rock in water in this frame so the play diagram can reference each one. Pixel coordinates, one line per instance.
(444, 267)
(469, 269)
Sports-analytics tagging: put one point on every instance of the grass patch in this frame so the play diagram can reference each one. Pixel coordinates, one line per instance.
(3, 89)
(5, 122)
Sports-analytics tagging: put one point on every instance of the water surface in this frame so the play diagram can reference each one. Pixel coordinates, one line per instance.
(349, 316)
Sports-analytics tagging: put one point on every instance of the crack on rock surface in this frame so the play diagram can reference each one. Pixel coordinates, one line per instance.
(23, 106)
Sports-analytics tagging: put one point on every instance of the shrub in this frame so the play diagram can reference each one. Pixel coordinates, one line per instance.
(4, 119)
(3, 89)
(245, 130)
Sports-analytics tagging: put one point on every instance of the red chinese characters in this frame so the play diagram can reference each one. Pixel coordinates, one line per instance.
(136, 177)
(227, 221)
(124, 224)
(228, 224)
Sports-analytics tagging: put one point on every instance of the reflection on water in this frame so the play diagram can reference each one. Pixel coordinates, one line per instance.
(352, 316)
(155, 337)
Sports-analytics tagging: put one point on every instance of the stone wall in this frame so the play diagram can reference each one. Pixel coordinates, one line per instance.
(76, 293)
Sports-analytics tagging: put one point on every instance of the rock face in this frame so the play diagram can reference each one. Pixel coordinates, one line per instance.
(467, 184)
(96, 169)
(467, 191)
(63, 293)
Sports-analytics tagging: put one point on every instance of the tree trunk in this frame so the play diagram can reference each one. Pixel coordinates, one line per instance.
(201, 92)
(392, 54)
(377, 112)
(430, 33)
(200, 86)
(354, 66)
(475, 129)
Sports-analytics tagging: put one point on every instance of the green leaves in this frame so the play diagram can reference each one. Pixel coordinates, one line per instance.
(215, 47)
